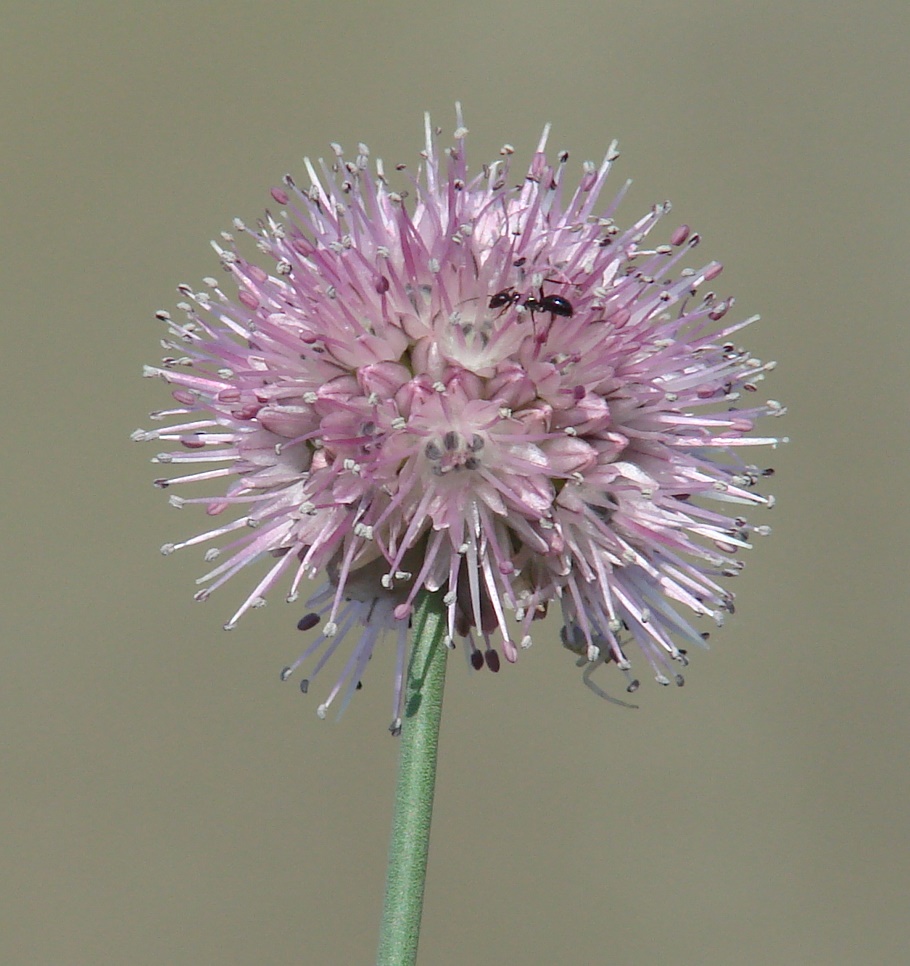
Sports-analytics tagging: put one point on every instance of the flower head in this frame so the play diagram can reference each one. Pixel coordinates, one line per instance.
(466, 386)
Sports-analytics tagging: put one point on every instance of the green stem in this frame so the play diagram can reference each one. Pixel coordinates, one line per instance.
(416, 782)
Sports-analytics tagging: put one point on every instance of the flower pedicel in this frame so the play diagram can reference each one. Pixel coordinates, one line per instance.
(468, 386)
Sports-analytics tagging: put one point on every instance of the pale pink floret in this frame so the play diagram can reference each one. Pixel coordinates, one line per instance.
(484, 389)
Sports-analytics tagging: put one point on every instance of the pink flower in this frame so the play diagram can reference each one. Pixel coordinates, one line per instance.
(490, 390)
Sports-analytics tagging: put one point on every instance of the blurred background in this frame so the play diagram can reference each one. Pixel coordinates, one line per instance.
(165, 799)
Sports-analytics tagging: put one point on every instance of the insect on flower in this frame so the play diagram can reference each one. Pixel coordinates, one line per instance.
(554, 304)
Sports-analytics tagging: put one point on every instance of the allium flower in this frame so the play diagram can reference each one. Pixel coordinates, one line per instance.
(466, 386)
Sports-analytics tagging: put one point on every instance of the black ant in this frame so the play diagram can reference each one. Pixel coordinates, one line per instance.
(554, 304)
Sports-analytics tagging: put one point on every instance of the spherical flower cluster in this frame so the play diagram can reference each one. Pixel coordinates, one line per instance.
(467, 386)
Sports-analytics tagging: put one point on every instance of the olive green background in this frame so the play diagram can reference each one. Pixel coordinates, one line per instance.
(165, 799)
